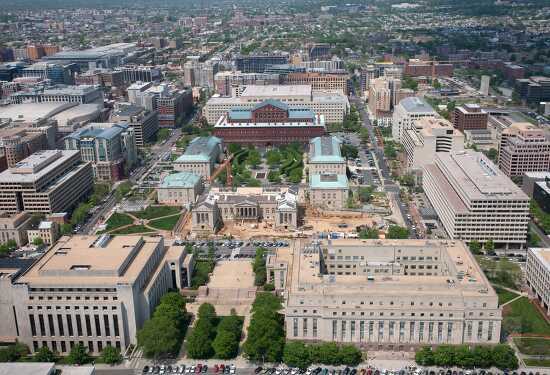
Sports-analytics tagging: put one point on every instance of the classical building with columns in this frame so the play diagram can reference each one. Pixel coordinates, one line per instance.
(277, 206)
(392, 294)
(94, 290)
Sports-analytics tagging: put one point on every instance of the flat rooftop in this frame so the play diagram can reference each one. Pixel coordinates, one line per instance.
(232, 274)
(30, 112)
(36, 166)
(276, 90)
(459, 273)
(92, 260)
(20, 368)
(477, 176)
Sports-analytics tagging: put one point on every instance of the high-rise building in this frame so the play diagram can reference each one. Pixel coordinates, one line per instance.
(533, 89)
(35, 52)
(139, 73)
(428, 136)
(111, 148)
(319, 81)
(144, 122)
(523, 148)
(537, 270)
(485, 84)
(319, 51)
(258, 63)
(469, 117)
(475, 200)
(407, 112)
(57, 73)
(368, 74)
(384, 94)
(46, 182)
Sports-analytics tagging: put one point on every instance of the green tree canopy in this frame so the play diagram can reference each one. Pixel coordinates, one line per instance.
(111, 355)
(296, 354)
(44, 354)
(78, 355)
(397, 232)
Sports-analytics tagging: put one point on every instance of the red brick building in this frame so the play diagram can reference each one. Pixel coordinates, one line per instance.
(469, 116)
(269, 123)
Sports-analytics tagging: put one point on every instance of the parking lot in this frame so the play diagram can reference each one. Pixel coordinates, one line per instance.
(231, 249)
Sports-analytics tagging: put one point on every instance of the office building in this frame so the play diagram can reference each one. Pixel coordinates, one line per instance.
(475, 200)
(533, 90)
(326, 82)
(258, 63)
(111, 148)
(14, 227)
(368, 74)
(57, 73)
(277, 206)
(485, 85)
(139, 73)
(200, 156)
(384, 94)
(329, 191)
(108, 56)
(60, 94)
(269, 123)
(417, 68)
(523, 148)
(200, 74)
(386, 295)
(319, 51)
(537, 271)
(229, 83)
(332, 106)
(541, 194)
(530, 179)
(407, 112)
(428, 136)
(179, 189)
(468, 117)
(102, 77)
(325, 156)
(144, 122)
(47, 231)
(97, 291)
(46, 182)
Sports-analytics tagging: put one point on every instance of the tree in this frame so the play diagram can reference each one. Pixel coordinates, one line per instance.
(329, 354)
(199, 343)
(349, 151)
(368, 233)
(234, 148)
(44, 354)
(296, 354)
(207, 311)
(111, 355)
(475, 246)
(489, 246)
(158, 337)
(274, 177)
(295, 175)
(226, 345)
(397, 232)
(444, 356)
(350, 355)
(424, 356)
(273, 157)
(13, 352)
(65, 229)
(163, 134)
(504, 357)
(123, 189)
(365, 194)
(38, 241)
(254, 158)
(78, 355)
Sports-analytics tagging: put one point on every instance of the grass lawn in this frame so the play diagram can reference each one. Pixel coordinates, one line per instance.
(152, 212)
(504, 295)
(134, 229)
(118, 220)
(537, 362)
(523, 309)
(533, 345)
(166, 223)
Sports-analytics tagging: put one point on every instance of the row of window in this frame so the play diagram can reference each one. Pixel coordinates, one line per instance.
(61, 346)
(69, 329)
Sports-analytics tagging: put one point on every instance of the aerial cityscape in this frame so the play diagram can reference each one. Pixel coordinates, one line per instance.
(261, 187)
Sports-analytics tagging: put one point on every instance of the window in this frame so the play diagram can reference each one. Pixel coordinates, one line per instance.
(352, 329)
(50, 325)
(411, 331)
(421, 332)
(334, 329)
(78, 325)
(107, 327)
(479, 330)
(439, 331)
(97, 325)
(371, 329)
(392, 328)
(115, 325)
(70, 325)
(490, 331)
(304, 327)
(449, 331)
(314, 324)
(60, 325)
(401, 331)
(469, 330)
(343, 334)
(361, 331)
(295, 327)
(380, 330)
(42, 326)
(33, 325)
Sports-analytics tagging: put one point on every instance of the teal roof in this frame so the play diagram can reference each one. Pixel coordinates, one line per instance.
(99, 131)
(201, 149)
(328, 181)
(240, 114)
(180, 180)
(326, 150)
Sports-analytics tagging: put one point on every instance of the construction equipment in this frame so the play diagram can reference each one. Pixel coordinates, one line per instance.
(225, 165)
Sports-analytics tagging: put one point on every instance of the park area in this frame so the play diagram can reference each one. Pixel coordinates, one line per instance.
(149, 220)
(522, 317)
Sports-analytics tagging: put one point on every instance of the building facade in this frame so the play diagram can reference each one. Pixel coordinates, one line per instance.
(180, 189)
(320, 81)
(332, 106)
(325, 156)
(388, 295)
(200, 156)
(14, 227)
(523, 148)
(428, 136)
(111, 148)
(407, 112)
(269, 123)
(537, 271)
(258, 63)
(144, 122)
(475, 200)
(469, 117)
(97, 291)
(328, 191)
(46, 182)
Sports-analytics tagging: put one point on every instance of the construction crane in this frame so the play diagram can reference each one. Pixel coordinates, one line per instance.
(224, 166)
